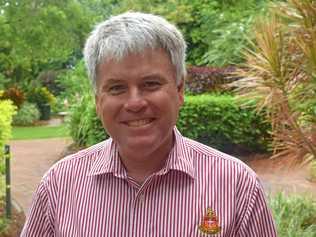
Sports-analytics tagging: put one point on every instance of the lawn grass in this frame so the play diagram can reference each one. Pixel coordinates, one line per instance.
(39, 132)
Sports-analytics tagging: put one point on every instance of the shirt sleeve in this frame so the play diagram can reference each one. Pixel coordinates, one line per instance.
(257, 220)
(38, 222)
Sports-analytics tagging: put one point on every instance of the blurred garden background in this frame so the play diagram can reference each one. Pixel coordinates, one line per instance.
(250, 91)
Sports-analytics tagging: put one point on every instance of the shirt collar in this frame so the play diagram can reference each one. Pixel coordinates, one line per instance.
(108, 161)
(179, 159)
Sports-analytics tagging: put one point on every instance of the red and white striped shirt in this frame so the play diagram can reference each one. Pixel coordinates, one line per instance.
(90, 194)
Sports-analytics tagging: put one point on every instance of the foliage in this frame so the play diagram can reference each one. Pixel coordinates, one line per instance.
(214, 30)
(281, 74)
(211, 119)
(26, 115)
(40, 35)
(74, 83)
(14, 94)
(227, 30)
(7, 110)
(84, 125)
(41, 96)
(295, 216)
(3, 82)
(218, 121)
(48, 80)
(207, 79)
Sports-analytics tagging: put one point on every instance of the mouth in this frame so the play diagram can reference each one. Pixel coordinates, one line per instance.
(139, 122)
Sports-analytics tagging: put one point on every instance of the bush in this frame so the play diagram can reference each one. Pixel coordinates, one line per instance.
(41, 96)
(7, 110)
(73, 83)
(48, 80)
(295, 216)
(26, 115)
(14, 94)
(44, 100)
(214, 120)
(218, 121)
(84, 126)
(207, 79)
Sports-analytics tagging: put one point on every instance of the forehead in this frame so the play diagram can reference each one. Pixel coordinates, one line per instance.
(155, 61)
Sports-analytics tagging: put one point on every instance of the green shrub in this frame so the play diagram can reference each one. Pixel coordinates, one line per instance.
(41, 96)
(295, 216)
(26, 115)
(218, 121)
(84, 126)
(7, 110)
(74, 82)
(44, 100)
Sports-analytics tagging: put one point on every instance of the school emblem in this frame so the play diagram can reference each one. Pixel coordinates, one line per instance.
(210, 223)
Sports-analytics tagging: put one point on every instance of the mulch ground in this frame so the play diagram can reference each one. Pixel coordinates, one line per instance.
(15, 224)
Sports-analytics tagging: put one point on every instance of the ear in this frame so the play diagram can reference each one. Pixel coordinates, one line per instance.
(180, 88)
(97, 105)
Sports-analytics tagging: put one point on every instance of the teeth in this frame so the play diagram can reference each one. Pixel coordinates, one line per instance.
(138, 123)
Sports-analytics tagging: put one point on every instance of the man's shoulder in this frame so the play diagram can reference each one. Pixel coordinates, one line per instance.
(213, 158)
(80, 161)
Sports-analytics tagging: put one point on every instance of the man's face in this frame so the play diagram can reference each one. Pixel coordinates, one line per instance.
(138, 102)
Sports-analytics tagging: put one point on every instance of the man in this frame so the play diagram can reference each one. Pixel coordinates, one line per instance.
(146, 180)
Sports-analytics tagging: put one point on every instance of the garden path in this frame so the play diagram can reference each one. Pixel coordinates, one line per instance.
(32, 158)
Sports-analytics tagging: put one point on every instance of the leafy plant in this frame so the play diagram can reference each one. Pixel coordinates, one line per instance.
(74, 83)
(295, 216)
(218, 121)
(41, 96)
(280, 74)
(7, 110)
(26, 115)
(207, 79)
(44, 39)
(214, 30)
(84, 125)
(14, 94)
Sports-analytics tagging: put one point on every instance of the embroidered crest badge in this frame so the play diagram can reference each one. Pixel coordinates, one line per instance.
(210, 223)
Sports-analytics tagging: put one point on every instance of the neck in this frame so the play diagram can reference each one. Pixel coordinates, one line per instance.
(141, 166)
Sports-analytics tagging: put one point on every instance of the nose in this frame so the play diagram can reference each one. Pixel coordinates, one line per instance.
(135, 101)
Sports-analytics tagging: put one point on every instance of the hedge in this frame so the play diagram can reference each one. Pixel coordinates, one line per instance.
(221, 122)
(84, 126)
(216, 120)
(7, 110)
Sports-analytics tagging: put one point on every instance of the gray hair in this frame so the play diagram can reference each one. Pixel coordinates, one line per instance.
(133, 32)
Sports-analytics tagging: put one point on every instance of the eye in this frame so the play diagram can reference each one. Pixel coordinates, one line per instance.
(152, 85)
(116, 89)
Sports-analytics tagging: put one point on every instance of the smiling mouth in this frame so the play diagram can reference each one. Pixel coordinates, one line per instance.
(138, 123)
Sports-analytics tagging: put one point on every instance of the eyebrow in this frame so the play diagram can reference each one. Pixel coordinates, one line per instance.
(113, 80)
(154, 75)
